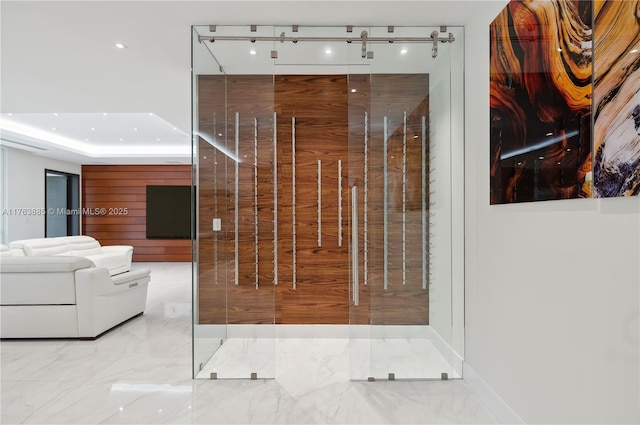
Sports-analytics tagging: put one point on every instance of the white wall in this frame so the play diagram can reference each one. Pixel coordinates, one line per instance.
(25, 189)
(552, 288)
(3, 195)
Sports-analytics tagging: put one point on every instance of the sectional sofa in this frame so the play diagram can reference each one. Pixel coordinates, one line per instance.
(66, 295)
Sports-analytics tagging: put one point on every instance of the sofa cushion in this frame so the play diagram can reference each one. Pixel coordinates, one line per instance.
(83, 245)
(84, 252)
(42, 246)
(5, 251)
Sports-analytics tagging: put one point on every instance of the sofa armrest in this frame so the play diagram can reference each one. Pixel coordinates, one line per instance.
(95, 281)
(117, 258)
(103, 302)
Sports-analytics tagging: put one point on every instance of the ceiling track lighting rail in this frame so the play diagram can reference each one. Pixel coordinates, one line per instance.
(364, 39)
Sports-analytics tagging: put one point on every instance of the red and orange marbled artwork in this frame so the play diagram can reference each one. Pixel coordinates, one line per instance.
(616, 135)
(541, 97)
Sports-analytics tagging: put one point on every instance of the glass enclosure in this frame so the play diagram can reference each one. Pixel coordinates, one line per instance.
(328, 171)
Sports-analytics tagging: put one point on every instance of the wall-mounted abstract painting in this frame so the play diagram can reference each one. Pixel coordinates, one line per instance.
(541, 97)
(616, 137)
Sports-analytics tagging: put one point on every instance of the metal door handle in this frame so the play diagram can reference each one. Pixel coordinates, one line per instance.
(354, 245)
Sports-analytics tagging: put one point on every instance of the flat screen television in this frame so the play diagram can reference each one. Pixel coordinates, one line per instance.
(168, 212)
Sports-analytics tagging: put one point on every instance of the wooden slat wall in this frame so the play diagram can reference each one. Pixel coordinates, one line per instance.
(124, 186)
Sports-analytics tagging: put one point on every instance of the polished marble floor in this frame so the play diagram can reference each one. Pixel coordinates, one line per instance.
(357, 359)
(140, 373)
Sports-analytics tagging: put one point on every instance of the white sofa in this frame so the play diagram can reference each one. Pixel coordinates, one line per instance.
(117, 258)
(65, 296)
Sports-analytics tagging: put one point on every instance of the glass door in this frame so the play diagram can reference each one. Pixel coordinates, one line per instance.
(235, 158)
(328, 199)
(400, 193)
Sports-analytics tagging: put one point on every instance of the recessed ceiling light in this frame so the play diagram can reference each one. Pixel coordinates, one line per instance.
(157, 139)
(634, 51)
(252, 52)
(353, 90)
(549, 134)
(93, 129)
(328, 50)
(121, 139)
(135, 128)
(541, 157)
(55, 114)
(121, 46)
(53, 128)
(104, 114)
(404, 51)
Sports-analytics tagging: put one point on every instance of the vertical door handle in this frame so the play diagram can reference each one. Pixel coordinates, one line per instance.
(354, 245)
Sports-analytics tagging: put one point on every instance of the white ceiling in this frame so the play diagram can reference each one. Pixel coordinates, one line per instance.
(59, 67)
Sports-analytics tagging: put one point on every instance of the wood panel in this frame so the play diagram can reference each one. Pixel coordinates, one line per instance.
(225, 297)
(124, 187)
(211, 259)
(329, 127)
(404, 302)
(319, 105)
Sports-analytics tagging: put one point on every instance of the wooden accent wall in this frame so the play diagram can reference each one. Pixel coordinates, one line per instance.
(329, 127)
(319, 105)
(124, 186)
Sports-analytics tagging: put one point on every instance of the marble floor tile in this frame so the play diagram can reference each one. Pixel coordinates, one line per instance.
(140, 373)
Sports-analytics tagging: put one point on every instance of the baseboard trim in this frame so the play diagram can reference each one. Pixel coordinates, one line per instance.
(496, 405)
(447, 352)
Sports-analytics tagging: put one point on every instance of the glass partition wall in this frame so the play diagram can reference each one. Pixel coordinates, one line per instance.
(328, 171)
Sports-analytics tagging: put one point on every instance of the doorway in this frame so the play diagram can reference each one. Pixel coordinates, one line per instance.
(62, 203)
